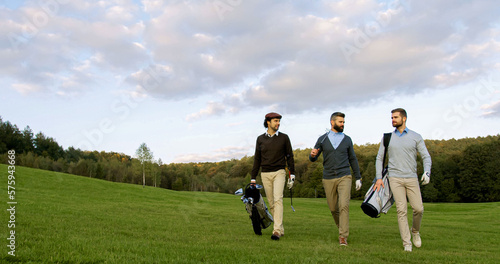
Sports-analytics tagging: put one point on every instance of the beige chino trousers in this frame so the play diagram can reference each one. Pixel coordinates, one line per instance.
(402, 188)
(338, 195)
(274, 183)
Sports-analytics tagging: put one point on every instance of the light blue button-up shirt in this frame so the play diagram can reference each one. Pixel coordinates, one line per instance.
(399, 134)
(335, 138)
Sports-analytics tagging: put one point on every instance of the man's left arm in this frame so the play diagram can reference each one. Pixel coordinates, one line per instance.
(353, 161)
(289, 156)
(290, 162)
(426, 157)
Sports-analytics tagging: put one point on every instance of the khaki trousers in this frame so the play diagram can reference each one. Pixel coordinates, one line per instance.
(402, 188)
(338, 195)
(274, 183)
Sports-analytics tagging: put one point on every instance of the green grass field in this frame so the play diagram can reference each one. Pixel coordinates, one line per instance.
(62, 218)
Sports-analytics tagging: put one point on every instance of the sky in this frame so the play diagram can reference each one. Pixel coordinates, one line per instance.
(194, 79)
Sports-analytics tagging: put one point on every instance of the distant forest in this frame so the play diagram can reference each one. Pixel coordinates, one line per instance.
(463, 170)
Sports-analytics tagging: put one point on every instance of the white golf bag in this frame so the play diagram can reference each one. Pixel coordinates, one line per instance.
(379, 202)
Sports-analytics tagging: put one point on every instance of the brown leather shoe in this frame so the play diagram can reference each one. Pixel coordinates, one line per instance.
(275, 236)
(343, 241)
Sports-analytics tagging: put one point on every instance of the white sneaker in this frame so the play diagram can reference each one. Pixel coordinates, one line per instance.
(416, 239)
(408, 248)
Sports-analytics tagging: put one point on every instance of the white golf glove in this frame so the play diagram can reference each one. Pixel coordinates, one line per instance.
(358, 185)
(426, 178)
(291, 180)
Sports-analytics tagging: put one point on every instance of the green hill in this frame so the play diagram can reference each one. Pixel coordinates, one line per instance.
(62, 218)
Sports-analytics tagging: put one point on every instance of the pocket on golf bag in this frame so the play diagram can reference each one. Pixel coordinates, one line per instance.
(265, 217)
(379, 202)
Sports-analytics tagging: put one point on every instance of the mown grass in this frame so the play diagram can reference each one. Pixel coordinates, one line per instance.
(62, 218)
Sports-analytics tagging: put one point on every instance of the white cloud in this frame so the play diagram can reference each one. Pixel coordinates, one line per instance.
(51, 40)
(410, 54)
(26, 88)
(153, 6)
(293, 50)
(221, 154)
(212, 109)
(118, 14)
(491, 110)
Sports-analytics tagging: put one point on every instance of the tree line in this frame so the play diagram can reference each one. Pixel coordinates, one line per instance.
(463, 170)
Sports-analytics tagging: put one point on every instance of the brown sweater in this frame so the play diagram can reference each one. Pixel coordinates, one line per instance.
(272, 154)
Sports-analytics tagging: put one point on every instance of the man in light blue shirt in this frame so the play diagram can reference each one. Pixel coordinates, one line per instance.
(338, 159)
(402, 174)
(335, 138)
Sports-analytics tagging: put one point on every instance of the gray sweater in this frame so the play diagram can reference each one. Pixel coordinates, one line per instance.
(402, 154)
(336, 162)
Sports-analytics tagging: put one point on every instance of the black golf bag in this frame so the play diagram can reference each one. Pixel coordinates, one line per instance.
(256, 208)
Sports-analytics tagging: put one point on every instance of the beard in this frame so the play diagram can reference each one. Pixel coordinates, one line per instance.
(274, 128)
(337, 128)
(397, 125)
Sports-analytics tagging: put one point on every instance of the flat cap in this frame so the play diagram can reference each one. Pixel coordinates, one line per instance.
(273, 115)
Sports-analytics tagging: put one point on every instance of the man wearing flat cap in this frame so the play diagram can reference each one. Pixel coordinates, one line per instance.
(273, 152)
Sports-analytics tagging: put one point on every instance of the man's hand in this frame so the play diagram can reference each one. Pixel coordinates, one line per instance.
(314, 153)
(358, 185)
(253, 182)
(426, 178)
(377, 185)
(291, 180)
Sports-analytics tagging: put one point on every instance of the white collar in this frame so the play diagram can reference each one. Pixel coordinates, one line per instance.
(275, 134)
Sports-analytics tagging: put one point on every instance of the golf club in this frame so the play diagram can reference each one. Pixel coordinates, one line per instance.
(239, 192)
(291, 194)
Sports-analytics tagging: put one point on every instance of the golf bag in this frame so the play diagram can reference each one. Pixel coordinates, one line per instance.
(256, 208)
(379, 202)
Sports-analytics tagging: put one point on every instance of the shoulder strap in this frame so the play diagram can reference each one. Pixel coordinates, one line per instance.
(387, 139)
